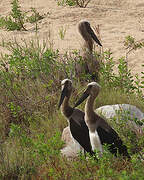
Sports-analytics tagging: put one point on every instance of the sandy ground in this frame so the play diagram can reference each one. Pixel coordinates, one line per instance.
(116, 18)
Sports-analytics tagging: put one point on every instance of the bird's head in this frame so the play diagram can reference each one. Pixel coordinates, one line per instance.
(93, 89)
(66, 87)
(87, 32)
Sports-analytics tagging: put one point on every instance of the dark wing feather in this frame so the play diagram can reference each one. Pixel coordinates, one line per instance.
(112, 139)
(91, 32)
(79, 130)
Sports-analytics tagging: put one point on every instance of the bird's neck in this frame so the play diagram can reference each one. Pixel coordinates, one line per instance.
(89, 106)
(90, 114)
(65, 108)
(88, 46)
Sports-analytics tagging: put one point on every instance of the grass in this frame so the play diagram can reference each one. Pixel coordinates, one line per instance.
(62, 32)
(31, 124)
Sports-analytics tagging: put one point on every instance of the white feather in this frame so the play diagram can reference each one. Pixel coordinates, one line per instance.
(95, 142)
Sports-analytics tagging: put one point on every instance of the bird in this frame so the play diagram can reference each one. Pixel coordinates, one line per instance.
(88, 64)
(121, 112)
(99, 129)
(75, 117)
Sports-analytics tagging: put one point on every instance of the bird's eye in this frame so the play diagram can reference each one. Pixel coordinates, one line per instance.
(87, 23)
(66, 82)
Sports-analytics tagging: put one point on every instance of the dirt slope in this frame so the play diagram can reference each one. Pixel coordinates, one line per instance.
(117, 19)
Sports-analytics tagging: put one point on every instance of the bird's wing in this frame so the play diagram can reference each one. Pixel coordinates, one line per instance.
(79, 130)
(110, 137)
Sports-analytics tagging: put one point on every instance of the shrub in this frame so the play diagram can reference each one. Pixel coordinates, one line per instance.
(80, 3)
(17, 18)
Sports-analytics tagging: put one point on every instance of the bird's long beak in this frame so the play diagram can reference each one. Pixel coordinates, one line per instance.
(63, 94)
(94, 37)
(82, 98)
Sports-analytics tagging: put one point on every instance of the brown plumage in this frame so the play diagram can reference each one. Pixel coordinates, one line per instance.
(88, 64)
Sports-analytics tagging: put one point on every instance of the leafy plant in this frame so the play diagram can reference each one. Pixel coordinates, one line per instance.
(17, 18)
(17, 14)
(15, 21)
(132, 45)
(66, 2)
(80, 3)
(107, 67)
(62, 32)
(70, 2)
(35, 17)
(123, 79)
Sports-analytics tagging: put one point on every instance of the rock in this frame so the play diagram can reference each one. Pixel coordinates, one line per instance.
(109, 111)
(131, 114)
(66, 135)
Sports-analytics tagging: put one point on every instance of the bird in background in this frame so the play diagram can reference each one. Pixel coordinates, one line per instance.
(89, 64)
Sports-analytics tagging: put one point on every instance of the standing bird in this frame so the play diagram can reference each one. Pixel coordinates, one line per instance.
(100, 131)
(89, 64)
(75, 117)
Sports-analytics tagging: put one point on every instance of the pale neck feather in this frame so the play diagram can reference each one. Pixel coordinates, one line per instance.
(89, 106)
(90, 114)
(65, 108)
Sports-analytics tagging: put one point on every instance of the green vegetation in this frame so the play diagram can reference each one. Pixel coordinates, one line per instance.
(35, 17)
(31, 125)
(80, 3)
(30, 122)
(16, 19)
(62, 32)
(66, 2)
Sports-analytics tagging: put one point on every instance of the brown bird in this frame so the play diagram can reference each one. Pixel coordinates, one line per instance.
(88, 64)
(99, 130)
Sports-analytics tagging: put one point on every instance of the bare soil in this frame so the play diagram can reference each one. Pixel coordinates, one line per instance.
(116, 19)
